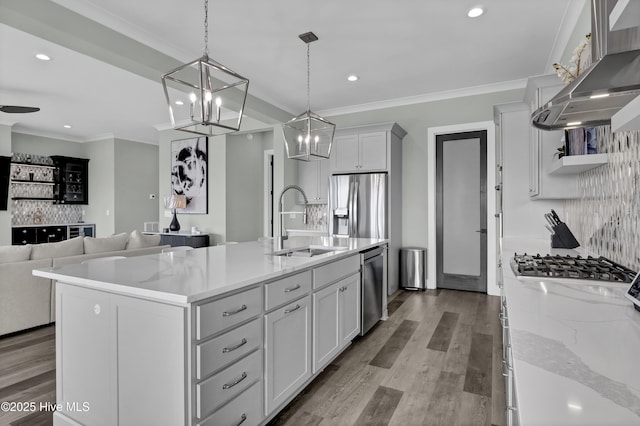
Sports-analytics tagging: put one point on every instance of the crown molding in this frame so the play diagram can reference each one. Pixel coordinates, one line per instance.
(428, 97)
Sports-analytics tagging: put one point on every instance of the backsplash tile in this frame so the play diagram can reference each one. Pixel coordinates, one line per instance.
(25, 212)
(606, 219)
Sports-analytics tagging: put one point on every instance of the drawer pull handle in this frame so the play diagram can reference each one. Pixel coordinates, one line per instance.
(288, 311)
(242, 419)
(240, 309)
(233, 348)
(289, 290)
(230, 385)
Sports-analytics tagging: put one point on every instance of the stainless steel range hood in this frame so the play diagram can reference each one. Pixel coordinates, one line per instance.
(610, 83)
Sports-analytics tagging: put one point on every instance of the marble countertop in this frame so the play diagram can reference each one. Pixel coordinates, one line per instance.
(32, 225)
(575, 346)
(183, 277)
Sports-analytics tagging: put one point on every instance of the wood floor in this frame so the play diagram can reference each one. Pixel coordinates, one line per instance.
(435, 361)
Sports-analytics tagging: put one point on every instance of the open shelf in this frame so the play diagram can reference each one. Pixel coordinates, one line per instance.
(43, 166)
(574, 164)
(35, 182)
(34, 198)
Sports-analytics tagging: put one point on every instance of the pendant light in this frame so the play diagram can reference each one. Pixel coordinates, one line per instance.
(204, 96)
(308, 136)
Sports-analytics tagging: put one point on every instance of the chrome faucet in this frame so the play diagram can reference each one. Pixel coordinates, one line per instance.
(281, 213)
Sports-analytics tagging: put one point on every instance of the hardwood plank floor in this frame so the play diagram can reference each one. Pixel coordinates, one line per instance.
(394, 375)
(435, 361)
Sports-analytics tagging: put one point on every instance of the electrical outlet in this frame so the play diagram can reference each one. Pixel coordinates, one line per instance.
(152, 196)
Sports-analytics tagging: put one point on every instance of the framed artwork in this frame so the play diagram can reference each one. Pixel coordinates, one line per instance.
(189, 175)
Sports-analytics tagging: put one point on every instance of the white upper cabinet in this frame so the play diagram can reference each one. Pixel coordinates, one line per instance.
(313, 178)
(365, 152)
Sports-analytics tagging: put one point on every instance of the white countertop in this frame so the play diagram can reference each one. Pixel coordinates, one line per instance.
(576, 345)
(183, 277)
(32, 225)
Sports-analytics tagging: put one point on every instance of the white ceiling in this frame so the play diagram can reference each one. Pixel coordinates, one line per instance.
(403, 51)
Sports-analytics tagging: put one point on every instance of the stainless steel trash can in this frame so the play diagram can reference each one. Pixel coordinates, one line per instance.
(413, 268)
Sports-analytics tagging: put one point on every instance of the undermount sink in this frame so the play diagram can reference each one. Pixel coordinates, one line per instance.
(308, 251)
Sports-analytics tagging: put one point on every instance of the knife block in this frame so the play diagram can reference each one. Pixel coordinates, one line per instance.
(563, 238)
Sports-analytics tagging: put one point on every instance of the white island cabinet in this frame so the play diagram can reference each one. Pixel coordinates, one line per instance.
(212, 336)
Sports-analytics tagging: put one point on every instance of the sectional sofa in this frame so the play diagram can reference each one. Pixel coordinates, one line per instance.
(27, 301)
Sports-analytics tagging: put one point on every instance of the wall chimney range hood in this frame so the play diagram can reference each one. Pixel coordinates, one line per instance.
(610, 83)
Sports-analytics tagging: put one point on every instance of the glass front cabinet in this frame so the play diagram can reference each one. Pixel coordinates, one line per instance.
(72, 183)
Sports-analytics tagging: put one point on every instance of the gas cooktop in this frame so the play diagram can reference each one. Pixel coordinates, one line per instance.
(583, 268)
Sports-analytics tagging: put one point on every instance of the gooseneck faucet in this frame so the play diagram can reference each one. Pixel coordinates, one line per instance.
(281, 213)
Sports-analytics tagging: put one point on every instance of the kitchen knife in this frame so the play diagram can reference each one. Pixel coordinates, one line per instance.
(555, 216)
(549, 219)
(550, 229)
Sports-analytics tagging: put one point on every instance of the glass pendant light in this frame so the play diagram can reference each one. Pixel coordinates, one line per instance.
(204, 96)
(308, 136)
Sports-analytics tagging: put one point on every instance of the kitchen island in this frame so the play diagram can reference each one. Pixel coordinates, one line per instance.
(571, 347)
(217, 335)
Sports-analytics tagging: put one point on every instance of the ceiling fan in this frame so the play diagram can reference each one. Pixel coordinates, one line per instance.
(12, 109)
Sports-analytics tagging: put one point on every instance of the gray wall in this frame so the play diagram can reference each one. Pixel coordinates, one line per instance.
(136, 177)
(5, 215)
(245, 187)
(101, 207)
(416, 120)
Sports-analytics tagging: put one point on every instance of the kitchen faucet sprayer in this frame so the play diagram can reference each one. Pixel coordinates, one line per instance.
(280, 212)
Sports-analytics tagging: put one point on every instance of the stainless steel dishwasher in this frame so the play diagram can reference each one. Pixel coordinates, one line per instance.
(371, 276)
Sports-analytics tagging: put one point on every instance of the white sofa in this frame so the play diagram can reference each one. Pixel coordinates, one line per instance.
(27, 301)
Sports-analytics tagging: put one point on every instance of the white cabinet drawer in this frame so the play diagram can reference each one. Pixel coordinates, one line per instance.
(225, 349)
(287, 289)
(220, 314)
(245, 410)
(227, 384)
(332, 272)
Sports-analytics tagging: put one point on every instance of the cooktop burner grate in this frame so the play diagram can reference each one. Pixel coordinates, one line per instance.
(584, 268)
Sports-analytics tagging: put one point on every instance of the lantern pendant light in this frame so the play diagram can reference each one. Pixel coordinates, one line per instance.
(204, 96)
(308, 136)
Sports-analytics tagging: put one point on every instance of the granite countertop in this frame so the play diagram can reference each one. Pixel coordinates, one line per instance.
(183, 277)
(575, 346)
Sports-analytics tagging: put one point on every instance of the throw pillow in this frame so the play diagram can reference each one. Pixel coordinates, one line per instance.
(72, 247)
(100, 245)
(10, 254)
(139, 240)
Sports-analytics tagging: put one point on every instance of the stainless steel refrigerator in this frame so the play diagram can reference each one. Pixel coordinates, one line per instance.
(358, 205)
(358, 208)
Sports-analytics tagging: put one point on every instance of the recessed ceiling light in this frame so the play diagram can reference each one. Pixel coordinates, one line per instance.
(353, 77)
(179, 103)
(43, 57)
(66, 126)
(476, 11)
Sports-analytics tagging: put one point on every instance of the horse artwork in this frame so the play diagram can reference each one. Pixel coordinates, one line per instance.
(189, 173)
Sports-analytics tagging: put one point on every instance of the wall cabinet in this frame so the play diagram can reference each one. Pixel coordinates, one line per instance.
(336, 319)
(72, 182)
(287, 351)
(313, 178)
(357, 153)
(543, 145)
